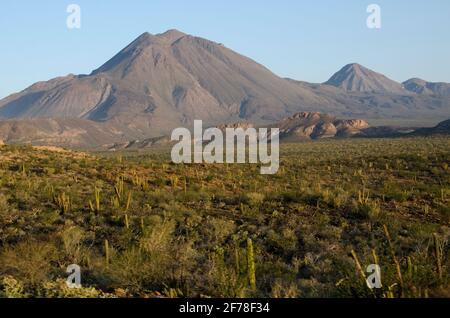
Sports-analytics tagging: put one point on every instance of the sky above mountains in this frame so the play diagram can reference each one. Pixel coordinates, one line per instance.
(304, 40)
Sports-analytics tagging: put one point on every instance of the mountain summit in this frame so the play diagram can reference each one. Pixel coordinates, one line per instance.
(357, 78)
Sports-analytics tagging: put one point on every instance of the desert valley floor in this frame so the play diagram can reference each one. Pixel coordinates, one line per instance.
(138, 225)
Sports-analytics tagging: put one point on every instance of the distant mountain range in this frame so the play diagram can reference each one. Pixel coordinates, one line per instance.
(163, 81)
(357, 78)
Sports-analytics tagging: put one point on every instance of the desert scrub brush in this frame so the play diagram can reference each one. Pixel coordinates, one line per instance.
(12, 288)
(63, 202)
(363, 197)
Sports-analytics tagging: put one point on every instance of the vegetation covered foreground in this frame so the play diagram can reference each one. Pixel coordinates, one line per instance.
(140, 226)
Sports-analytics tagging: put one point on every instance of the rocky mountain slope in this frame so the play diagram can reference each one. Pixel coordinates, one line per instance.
(74, 133)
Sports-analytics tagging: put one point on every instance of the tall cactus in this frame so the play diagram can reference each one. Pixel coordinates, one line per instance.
(127, 222)
(107, 253)
(251, 264)
(394, 257)
(128, 201)
(358, 266)
(23, 170)
(236, 258)
(97, 199)
(118, 188)
(142, 225)
(437, 254)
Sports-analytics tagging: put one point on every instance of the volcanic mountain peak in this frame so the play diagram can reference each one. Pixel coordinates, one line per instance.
(355, 77)
(145, 49)
(171, 35)
(357, 68)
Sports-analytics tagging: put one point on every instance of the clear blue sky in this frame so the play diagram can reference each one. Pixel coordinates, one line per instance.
(305, 40)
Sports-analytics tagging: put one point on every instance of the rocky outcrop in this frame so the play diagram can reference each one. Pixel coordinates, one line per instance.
(314, 125)
(350, 127)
